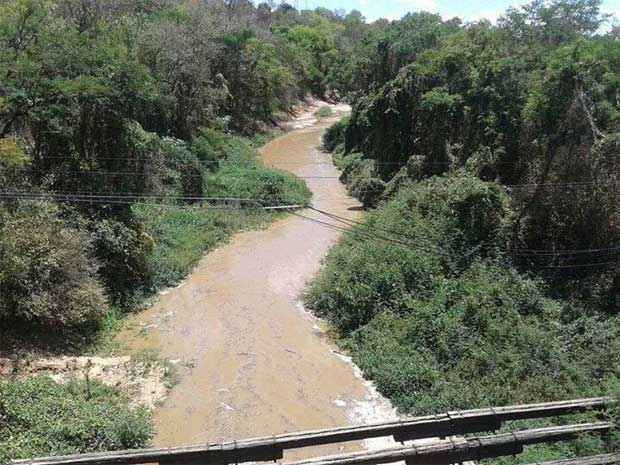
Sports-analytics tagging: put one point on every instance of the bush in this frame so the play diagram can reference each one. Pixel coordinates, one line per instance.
(243, 176)
(123, 251)
(211, 146)
(433, 312)
(169, 165)
(364, 277)
(266, 187)
(489, 329)
(47, 275)
(368, 191)
(40, 417)
(154, 247)
(335, 135)
(181, 235)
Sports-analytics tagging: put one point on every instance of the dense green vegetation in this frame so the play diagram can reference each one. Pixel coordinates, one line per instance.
(487, 274)
(39, 416)
(530, 103)
(446, 309)
(129, 105)
(437, 315)
(119, 121)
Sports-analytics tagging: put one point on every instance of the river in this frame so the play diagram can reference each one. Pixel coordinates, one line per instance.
(259, 363)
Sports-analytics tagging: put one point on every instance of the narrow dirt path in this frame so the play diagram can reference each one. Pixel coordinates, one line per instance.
(261, 364)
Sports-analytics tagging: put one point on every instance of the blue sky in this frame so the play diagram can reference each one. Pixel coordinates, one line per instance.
(469, 10)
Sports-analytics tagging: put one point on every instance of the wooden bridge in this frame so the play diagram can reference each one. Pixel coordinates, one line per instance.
(452, 428)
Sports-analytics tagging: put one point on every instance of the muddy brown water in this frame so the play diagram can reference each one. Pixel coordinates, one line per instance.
(260, 364)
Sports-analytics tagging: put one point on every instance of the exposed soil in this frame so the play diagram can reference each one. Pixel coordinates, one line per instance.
(145, 381)
(258, 363)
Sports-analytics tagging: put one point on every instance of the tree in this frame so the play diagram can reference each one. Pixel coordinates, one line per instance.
(554, 22)
(48, 278)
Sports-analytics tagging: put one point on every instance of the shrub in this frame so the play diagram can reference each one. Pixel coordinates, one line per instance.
(40, 417)
(349, 164)
(267, 186)
(368, 191)
(335, 135)
(210, 146)
(169, 165)
(366, 275)
(437, 317)
(181, 235)
(489, 329)
(123, 250)
(13, 159)
(186, 172)
(47, 275)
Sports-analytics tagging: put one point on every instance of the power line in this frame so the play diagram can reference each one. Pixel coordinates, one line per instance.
(589, 265)
(543, 253)
(224, 202)
(352, 222)
(143, 174)
(215, 162)
(201, 176)
(353, 231)
(371, 234)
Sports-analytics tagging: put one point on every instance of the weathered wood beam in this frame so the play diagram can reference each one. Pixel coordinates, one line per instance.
(462, 450)
(271, 448)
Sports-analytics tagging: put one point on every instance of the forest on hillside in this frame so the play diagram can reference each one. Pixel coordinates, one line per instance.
(109, 108)
(485, 272)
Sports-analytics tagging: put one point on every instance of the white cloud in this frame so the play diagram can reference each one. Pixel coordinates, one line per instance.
(417, 5)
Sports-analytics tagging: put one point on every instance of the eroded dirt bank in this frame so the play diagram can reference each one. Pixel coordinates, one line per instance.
(258, 364)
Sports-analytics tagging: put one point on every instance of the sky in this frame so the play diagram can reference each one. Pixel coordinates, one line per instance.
(469, 10)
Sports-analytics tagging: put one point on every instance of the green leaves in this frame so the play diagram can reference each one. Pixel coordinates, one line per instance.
(12, 155)
(48, 278)
(40, 417)
(445, 322)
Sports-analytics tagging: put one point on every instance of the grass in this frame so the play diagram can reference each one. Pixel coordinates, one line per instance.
(183, 235)
(40, 417)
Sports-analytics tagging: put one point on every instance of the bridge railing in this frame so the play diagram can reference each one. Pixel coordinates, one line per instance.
(455, 423)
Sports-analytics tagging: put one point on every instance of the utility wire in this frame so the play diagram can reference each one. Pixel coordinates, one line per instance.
(147, 200)
(127, 196)
(372, 232)
(279, 162)
(155, 173)
(352, 222)
(544, 253)
(589, 265)
(353, 231)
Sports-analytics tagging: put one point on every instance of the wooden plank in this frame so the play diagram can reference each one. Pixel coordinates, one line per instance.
(270, 448)
(603, 459)
(461, 450)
